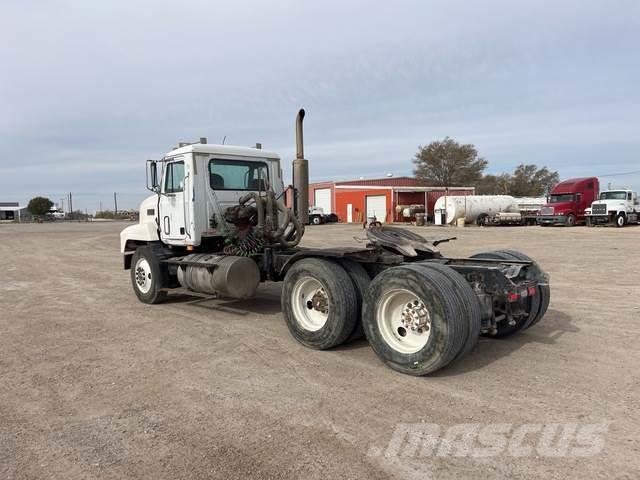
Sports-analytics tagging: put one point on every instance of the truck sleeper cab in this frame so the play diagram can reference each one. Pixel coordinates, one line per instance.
(568, 201)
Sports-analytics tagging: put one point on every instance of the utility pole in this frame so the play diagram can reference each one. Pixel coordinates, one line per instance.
(101, 205)
(115, 203)
(70, 203)
(62, 203)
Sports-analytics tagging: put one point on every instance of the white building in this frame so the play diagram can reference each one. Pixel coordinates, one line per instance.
(10, 211)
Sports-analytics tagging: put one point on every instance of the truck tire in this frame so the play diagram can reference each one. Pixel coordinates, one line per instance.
(571, 220)
(316, 220)
(543, 292)
(467, 296)
(419, 296)
(361, 281)
(319, 303)
(504, 329)
(545, 297)
(148, 277)
(620, 220)
(589, 222)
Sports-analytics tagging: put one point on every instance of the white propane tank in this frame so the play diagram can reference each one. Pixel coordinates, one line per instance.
(470, 207)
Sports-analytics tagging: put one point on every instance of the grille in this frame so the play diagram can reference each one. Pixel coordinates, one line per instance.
(599, 209)
(546, 211)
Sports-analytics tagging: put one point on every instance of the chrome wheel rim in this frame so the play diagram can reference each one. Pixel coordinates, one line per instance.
(143, 278)
(310, 304)
(404, 321)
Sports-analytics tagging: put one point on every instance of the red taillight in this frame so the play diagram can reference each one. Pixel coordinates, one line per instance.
(532, 291)
(513, 297)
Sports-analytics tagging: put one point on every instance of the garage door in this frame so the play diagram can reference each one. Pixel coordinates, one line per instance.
(377, 207)
(322, 199)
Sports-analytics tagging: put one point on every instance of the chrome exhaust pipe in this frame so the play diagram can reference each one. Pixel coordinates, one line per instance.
(300, 175)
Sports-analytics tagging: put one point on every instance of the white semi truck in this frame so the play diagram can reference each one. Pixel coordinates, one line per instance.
(614, 207)
(216, 224)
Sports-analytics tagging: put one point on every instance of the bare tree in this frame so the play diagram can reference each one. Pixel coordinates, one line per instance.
(449, 163)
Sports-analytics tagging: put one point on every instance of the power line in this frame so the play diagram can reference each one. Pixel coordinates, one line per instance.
(622, 174)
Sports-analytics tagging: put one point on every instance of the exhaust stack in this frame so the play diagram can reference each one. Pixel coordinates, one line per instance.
(300, 175)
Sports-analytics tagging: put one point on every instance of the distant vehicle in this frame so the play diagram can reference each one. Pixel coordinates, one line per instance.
(614, 207)
(56, 214)
(568, 201)
(318, 217)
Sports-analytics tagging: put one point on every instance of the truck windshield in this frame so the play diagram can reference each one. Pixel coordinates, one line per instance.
(238, 175)
(561, 197)
(613, 196)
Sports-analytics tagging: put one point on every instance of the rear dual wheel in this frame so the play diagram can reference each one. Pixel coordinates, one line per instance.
(418, 318)
(319, 303)
(543, 293)
(536, 305)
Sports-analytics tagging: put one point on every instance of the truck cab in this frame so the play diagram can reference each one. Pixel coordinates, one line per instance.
(193, 185)
(568, 201)
(614, 207)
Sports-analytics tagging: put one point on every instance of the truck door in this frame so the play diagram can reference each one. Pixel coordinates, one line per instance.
(172, 203)
(580, 205)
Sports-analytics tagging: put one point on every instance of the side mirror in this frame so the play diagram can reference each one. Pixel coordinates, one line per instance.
(152, 176)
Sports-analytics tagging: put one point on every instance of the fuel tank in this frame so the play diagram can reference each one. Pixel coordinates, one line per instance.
(225, 275)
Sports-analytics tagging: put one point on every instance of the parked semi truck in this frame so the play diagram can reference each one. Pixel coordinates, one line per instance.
(216, 224)
(568, 201)
(318, 216)
(614, 207)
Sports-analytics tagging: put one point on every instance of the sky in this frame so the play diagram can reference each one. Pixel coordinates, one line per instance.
(90, 90)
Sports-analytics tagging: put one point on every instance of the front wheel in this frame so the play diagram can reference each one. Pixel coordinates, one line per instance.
(316, 220)
(148, 277)
(620, 220)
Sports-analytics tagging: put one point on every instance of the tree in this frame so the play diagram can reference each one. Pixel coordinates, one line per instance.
(494, 184)
(531, 181)
(448, 163)
(39, 205)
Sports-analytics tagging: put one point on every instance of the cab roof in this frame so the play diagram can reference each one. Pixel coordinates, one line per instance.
(211, 148)
(572, 184)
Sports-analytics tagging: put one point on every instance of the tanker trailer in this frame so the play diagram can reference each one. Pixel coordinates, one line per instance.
(448, 209)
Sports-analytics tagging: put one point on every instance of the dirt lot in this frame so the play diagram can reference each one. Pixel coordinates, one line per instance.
(95, 384)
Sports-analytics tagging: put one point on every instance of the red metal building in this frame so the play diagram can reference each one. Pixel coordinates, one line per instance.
(355, 200)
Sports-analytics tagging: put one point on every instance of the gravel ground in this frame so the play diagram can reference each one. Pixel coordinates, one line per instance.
(95, 384)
